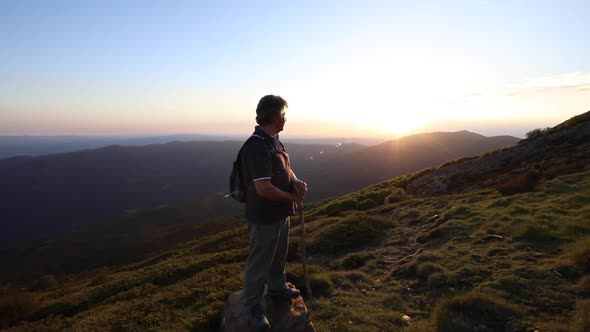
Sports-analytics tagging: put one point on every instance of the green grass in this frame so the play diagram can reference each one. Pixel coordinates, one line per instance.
(352, 232)
(473, 312)
(583, 286)
(320, 284)
(581, 256)
(15, 307)
(582, 317)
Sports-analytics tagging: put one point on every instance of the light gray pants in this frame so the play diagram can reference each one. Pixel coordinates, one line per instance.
(266, 260)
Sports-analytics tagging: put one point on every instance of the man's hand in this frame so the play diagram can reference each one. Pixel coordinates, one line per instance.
(266, 190)
(300, 188)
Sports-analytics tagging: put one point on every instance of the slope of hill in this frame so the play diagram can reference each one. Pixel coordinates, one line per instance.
(456, 257)
(72, 190)
(136, 235)
(356, 170)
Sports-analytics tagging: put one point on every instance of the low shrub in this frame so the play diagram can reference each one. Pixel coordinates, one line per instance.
(376, 195)
(436, 280)
(394, 302)
(445, 233)
(472, 312)
(320, 284)
(581, 257)
(583, 286)
(521, 183)
(396, 195)
(337, 206)
(424, 270)
(567, 270)
(350, 233)
(533, 233)
(408, 270)
(538, 132)
(356, 260)
(14, 307)
(45, 283)
(368, 203)
(502, 202)
(357, 277)
(582, 317)
(347, 279)
(296, 275)
(513, 286)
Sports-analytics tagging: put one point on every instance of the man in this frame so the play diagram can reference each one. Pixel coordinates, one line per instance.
(272, 195)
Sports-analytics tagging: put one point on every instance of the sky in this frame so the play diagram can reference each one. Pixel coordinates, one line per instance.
(347, 68)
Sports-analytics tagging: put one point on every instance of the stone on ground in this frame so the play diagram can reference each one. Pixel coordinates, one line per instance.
(284, 315)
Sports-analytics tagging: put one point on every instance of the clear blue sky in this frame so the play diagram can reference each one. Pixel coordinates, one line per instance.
(373, 69)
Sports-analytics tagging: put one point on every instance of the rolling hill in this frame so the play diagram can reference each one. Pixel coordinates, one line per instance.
(55, 194)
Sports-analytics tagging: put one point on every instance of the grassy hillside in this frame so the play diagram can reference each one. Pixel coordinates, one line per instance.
(458, 256)
(521, 258)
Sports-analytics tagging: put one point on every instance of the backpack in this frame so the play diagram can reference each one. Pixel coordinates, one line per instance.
(237, 183)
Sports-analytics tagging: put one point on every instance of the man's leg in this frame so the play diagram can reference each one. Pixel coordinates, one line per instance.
(276, 276)
(263, 242)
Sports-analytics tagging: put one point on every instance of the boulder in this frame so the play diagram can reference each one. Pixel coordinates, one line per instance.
(284, 315)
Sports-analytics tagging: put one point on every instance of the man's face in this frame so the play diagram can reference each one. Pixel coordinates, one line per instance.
(280, 120)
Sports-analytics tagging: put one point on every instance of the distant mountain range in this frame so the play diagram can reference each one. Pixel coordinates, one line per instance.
(12, 146)
(53, 194)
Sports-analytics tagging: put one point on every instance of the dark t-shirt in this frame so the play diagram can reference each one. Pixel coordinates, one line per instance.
(264, 158)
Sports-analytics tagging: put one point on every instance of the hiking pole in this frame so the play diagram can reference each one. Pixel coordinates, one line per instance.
(305, 273)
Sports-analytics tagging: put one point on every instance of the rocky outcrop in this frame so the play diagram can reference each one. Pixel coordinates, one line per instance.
(560, 152)
(283, 315)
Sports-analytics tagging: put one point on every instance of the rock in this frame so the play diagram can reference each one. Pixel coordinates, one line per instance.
(406, 318)
(283, 315)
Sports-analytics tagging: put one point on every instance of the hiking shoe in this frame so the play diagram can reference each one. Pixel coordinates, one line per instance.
(286, 292)
(257, 319)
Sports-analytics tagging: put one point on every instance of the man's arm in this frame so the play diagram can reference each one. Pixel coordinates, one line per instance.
(266, 190)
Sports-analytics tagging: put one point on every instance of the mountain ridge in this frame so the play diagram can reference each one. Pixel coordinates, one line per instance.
(76, 189)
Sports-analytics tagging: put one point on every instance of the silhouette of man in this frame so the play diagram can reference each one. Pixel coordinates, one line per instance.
(272, 196)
